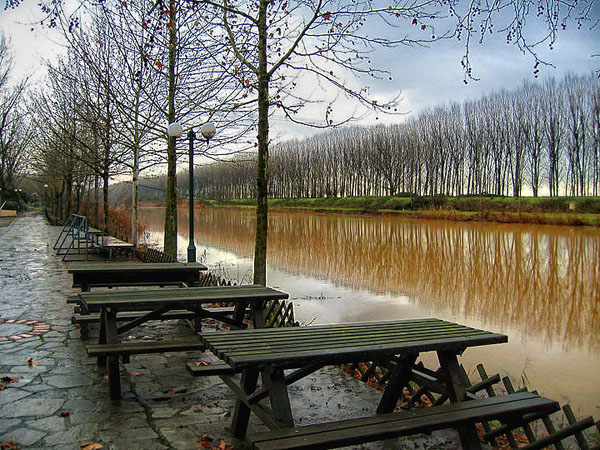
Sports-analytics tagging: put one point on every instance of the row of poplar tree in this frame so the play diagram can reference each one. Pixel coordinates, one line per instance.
(539, 139)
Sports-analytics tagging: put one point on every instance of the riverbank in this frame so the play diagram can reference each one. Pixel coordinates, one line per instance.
(573, 211)
(52, 396)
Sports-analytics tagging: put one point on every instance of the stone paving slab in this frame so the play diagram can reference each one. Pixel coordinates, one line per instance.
(57, 398)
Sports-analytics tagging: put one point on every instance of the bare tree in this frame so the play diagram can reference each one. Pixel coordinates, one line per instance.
(15, 130)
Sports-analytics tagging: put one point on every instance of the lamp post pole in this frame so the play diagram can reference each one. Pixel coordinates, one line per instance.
(191, 250)
(46, 200)
(207, 130)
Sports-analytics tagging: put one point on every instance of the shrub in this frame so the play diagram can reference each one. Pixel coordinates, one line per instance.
(553, 204)
(11, 204)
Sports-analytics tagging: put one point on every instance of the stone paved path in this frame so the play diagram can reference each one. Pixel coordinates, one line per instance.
(54, 396)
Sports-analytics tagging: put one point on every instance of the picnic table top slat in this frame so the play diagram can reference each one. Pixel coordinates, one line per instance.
(81, 268)
(295, 346)
(252, 348)
(194, 295)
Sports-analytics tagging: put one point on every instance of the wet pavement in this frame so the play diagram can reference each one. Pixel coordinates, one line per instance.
(53, 396)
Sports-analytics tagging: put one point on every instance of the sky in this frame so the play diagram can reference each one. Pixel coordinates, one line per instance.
(425, 77)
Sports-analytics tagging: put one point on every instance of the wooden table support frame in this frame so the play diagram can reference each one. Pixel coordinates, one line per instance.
(457, 392)
(268, 352)
(158, 302)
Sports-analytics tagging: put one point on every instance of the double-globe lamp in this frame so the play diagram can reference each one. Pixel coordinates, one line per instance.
(207, 131)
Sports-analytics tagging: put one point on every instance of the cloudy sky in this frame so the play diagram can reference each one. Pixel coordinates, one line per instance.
(424, 76)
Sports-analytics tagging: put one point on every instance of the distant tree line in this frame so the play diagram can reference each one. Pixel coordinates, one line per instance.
(542, 136)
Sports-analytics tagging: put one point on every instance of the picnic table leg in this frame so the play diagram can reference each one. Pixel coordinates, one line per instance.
(101, 360)
(274, 379)
(398, 380)
(239, 311)
(457, 390)
(241, 413)
(114, 377)
(258, 315)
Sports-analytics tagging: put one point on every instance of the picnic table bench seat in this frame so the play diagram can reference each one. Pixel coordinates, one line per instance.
(509, 408)
(142, 347)
(126, 316)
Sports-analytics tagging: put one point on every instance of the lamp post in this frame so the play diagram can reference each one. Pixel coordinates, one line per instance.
(46, 200)
(207, 130)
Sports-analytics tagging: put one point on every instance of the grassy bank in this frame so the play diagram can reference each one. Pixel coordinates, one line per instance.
(546, 210)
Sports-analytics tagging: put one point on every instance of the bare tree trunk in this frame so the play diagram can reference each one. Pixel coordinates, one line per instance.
(260, 248)
(134, 196)
(170, 240)
(105, 201)
(96, 207)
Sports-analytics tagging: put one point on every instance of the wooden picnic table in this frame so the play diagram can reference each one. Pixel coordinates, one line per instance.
(87, 275)
(269, 351)
(157, 303)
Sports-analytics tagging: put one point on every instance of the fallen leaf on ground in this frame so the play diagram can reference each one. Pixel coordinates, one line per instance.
(65, 413)
(2, 387)
(205, 442)
(31, 362)
(91, 446)
(169, 391)
(136, 373)
(202, 363)
(10, 445)
(9, 379)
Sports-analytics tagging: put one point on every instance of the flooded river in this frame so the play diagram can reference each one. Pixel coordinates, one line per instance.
(540, 285)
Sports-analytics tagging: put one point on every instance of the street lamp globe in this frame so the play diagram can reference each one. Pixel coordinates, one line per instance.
(175, 130)
(208, 130)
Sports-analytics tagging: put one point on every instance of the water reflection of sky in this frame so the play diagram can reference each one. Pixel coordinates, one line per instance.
(538, 285)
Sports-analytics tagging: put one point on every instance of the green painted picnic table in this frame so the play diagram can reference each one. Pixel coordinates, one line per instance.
(87, 275)
(156, 303)
(307, 349)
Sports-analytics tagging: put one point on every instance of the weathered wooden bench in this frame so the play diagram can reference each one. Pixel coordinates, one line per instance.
(85, 320)
(137, 348)
(126, 349)
(509, 408)
(126, 316)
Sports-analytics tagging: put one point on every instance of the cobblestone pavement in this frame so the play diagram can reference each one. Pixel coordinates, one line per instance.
(53, 396)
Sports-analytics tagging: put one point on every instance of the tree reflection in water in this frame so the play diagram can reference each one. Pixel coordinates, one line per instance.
(542, 280)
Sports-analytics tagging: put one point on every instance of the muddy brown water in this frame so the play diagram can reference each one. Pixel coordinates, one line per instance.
(540, 285)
